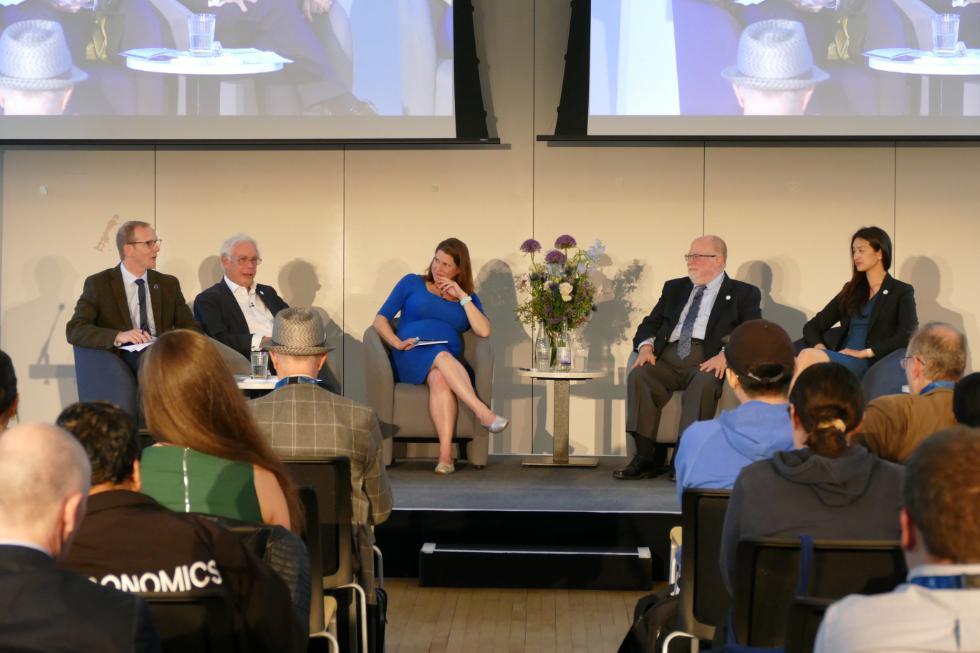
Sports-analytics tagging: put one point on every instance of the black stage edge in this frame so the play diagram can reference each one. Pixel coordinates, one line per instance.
(507, 505)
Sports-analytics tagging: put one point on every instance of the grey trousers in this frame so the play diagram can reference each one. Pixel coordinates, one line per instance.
(649, 388)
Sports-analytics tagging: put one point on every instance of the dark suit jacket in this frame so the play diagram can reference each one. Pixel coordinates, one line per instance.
(737, 302)
(218, 312)
(44, 608)
(893, 319)
(102, 311)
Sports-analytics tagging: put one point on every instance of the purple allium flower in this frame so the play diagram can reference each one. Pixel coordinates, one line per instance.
(565, 241)
(555, 257)
(530, 246)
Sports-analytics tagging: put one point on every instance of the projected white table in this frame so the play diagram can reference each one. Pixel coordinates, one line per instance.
(561, 381)
(919, 62)
(253, 383)
(204, 73)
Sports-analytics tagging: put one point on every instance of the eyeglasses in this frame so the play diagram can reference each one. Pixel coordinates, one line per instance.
(242, 260)
(698, 257)
(905, 362)
(148, 243)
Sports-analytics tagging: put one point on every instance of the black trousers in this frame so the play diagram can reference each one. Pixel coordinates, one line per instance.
(649, 388)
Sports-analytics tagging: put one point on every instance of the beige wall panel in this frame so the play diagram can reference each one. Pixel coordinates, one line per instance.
(401, 203)
(291, 202)
(938, 235)
(60, 213)
(645, 204)
(787, 214)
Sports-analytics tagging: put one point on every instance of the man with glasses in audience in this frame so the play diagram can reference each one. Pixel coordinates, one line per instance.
(894, 425)
(679, 347)
(130, 303)
(237, 311)
(938, 607)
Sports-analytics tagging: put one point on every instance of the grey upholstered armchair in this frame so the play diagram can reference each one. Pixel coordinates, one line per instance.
(403, 408)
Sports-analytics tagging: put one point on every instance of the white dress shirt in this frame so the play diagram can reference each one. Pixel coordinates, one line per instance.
(911, 618)
(257, 316)
(133, 299)
(704, 312)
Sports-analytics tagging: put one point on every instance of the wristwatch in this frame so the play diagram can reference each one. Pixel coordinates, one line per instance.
(465, 300)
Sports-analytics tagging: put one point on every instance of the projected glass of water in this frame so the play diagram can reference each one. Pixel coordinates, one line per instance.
(200, 28)
(945, 33)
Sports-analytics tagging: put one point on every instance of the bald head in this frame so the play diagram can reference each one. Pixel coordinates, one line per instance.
(44, 477)
(941, 349)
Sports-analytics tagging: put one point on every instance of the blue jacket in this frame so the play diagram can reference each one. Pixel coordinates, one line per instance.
(713, 452)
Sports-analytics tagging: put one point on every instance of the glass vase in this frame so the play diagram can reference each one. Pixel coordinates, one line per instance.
(563, 350)
(542, 349)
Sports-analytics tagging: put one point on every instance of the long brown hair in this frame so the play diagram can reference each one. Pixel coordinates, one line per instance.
(190, 399)
(854, 295)
(829, 404)
(461, 257)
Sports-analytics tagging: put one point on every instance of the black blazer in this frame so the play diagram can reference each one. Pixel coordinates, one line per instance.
(102, 311)
(45, 608)
(218, 311)
(737, 302)
(893, 319)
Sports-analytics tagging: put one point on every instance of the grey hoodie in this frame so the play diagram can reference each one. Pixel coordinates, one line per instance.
(854, 497)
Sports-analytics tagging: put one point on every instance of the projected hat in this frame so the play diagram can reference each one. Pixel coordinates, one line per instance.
(774, 55)
(34, 56)
(298, 332)
(758, 343)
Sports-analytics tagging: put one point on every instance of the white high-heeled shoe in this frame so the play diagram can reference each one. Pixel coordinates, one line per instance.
(498, 424)
(445, 468)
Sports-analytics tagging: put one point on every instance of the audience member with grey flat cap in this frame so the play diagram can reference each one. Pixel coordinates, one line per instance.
(37, 75)
(760, 367)
(301, 418)
(774, 74)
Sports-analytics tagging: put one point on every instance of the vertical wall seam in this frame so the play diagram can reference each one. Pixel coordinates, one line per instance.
(704, 183)
(343, 269)
(895, 200)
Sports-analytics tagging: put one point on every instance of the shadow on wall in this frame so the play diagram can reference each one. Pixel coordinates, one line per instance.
(210, 272)
(299, 283)
(511, 347)
(608, 327)
(760, 274)
(32, 326)
(925, 276)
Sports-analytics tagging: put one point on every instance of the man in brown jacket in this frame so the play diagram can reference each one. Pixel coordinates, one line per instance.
(894, 425)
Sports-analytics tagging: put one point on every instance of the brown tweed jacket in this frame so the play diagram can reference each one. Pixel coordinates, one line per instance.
(894, 425)
(306, 420)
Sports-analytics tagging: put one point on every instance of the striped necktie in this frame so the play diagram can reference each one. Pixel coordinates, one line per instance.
(684, 343)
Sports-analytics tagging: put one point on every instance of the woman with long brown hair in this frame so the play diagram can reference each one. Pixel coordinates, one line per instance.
(211, 456)
(438, 305)
(876, 311)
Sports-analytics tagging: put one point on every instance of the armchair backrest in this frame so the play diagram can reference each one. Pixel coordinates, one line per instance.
(704, 601)
(766, 576)
(193, 622)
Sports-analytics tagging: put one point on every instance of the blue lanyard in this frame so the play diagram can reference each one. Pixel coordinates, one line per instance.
(936, 385)
(955, 582)
(290, 380)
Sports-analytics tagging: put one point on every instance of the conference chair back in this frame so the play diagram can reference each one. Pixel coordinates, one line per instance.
(103, 376)
(805, 615)
(767, 573)
(704, 601)
(194, 622)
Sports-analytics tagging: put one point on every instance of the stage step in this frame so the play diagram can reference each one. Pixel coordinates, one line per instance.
(555, 567)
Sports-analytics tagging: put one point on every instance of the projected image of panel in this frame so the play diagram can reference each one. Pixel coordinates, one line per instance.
(227, 68)
(808, 66)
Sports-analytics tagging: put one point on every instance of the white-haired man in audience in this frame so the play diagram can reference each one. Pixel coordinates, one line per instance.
(938, 608)
(44, 479)
(894, 425)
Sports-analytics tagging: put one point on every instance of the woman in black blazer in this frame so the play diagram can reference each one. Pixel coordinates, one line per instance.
(876, 311)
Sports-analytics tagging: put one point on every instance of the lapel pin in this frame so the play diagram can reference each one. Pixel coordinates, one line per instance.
(884, 292)
(156, 286)
(728, 298)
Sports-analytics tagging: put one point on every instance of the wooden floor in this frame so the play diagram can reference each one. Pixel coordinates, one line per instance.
(441, 619)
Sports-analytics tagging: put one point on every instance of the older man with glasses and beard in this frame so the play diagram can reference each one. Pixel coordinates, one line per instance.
(679, 347)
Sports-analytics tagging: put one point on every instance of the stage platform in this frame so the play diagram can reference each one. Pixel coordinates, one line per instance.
(507, 504)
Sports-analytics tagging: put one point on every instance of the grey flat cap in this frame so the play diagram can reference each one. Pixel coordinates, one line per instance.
(34, 56)
(298, 332)
(774, 55)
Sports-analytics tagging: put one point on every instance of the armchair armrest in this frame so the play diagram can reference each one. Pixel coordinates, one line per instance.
(380, 379)
(102, 375)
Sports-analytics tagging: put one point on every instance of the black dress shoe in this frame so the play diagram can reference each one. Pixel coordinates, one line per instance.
(636, 470)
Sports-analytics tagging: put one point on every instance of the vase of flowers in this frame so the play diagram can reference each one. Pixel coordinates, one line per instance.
(558, 294)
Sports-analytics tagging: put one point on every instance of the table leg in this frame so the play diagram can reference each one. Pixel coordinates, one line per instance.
(561, 422)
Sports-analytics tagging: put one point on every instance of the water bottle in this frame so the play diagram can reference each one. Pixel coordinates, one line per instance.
(564, 346)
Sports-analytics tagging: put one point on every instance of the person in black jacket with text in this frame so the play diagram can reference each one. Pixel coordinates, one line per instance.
(679, 347)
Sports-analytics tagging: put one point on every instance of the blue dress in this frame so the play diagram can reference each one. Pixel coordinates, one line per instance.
(857, 338)
(426, 316)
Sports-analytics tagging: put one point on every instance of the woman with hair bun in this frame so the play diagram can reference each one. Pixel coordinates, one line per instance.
(827, 487)
(875, 310)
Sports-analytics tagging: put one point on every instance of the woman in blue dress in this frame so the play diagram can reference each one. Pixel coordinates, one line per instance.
(876, 311)
(438, 305)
